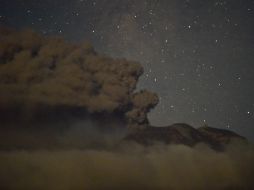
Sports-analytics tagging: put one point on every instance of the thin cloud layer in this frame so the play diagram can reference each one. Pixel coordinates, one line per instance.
(133, 167)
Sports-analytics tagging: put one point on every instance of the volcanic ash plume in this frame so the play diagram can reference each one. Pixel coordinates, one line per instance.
(38, 72)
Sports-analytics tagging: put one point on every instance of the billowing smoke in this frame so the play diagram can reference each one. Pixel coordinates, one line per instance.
(48, 73)
(61, 106)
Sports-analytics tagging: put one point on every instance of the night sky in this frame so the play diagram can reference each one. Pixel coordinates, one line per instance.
(198, 55)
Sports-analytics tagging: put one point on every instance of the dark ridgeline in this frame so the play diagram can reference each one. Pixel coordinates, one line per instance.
(181, 133)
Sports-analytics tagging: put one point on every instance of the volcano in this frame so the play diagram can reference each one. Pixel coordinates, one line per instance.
(185, 134)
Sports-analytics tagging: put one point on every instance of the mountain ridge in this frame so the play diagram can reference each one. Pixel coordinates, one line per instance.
(181, 133)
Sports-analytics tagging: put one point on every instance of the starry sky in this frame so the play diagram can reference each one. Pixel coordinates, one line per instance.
(198, 55)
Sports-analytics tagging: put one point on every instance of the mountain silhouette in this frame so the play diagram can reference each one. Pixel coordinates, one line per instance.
(185, 134)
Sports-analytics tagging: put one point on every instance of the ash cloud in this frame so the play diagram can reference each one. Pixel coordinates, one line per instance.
(38, 72)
